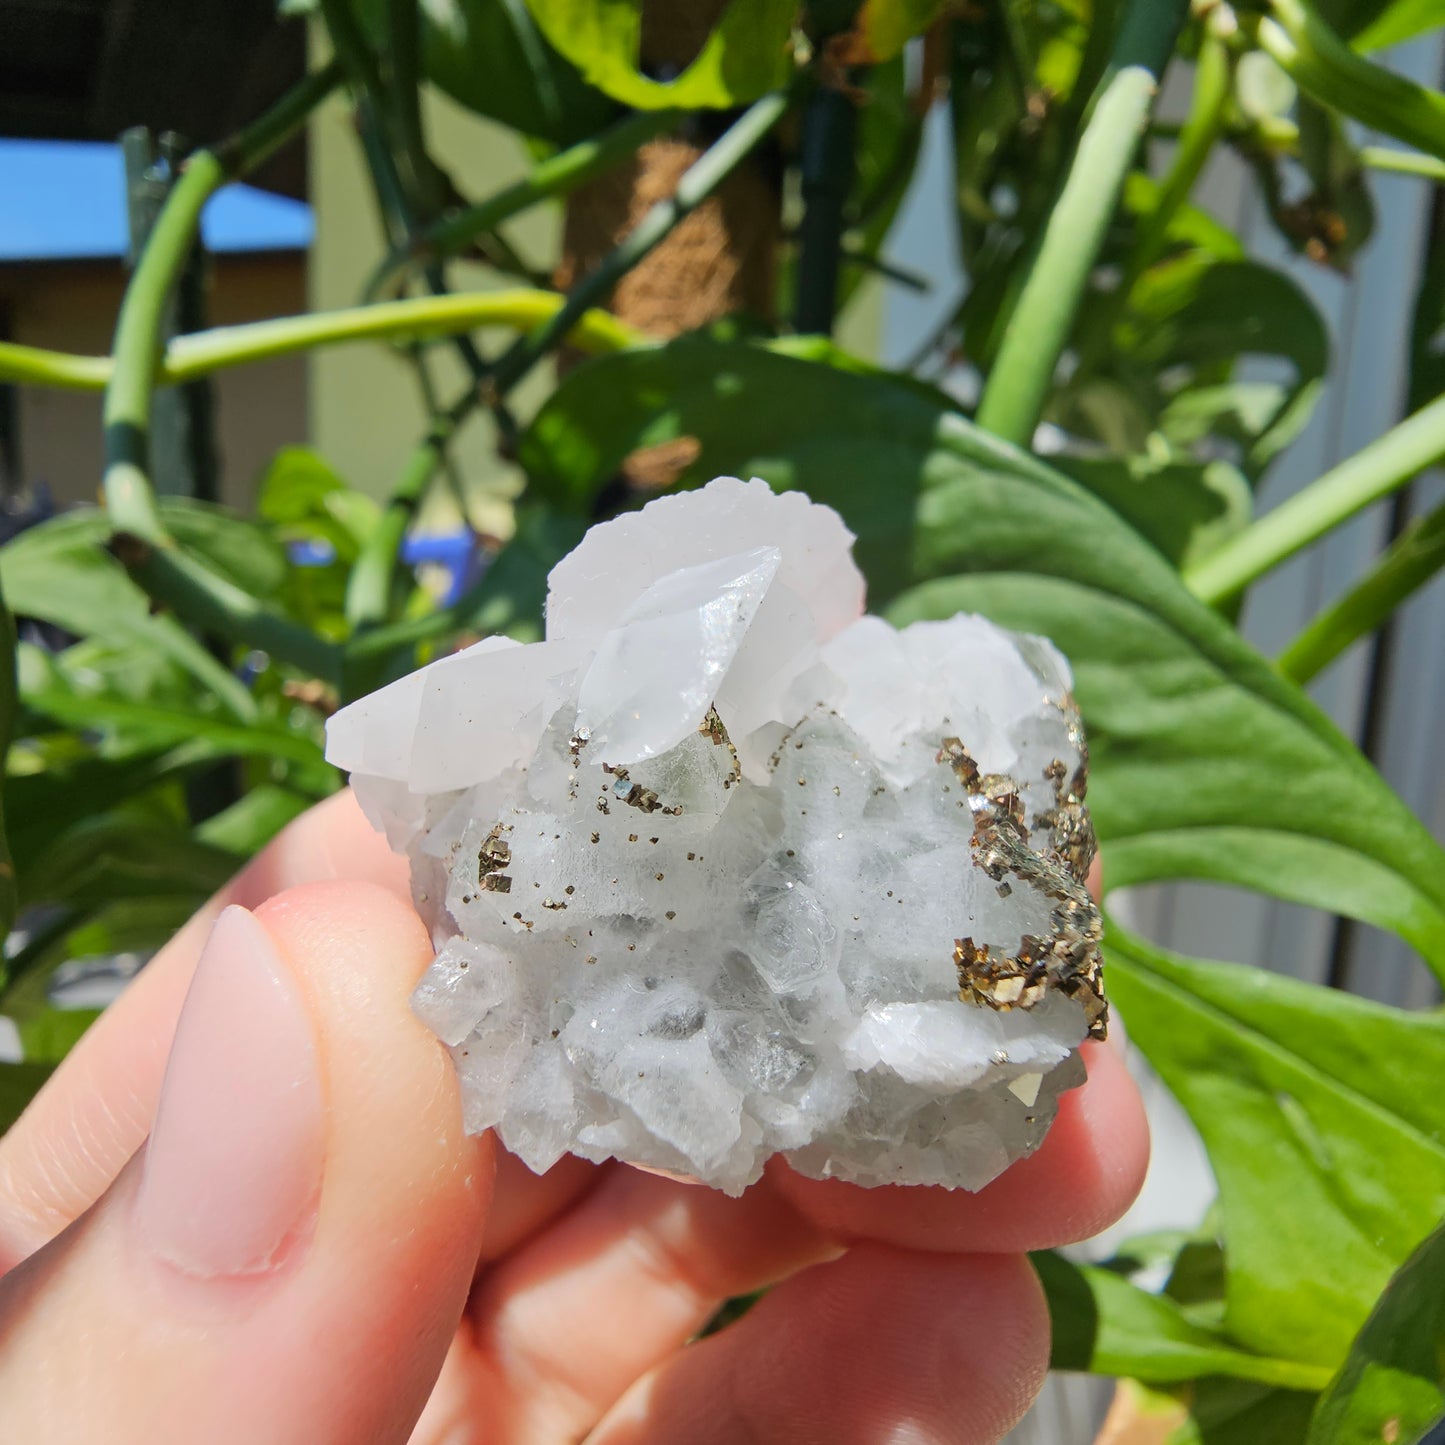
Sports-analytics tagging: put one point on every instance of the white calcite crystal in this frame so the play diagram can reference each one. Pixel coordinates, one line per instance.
(724, 869)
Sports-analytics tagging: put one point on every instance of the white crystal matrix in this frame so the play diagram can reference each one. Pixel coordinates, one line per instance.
(724, 869)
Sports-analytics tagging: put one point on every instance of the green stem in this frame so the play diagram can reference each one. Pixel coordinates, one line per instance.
(128, 494)
(1415, 556)
(404, 35)
(698, 182)
(1374, 472)
(830, 128)
(553, 177)
(368, 589)
(1325, 67)
(419, 319)
(129, 497)
(1208, 107)
(219, 608)
(1403, 163)
(1013, 399)
(34, 366)
(1279, 136)
(246, 150)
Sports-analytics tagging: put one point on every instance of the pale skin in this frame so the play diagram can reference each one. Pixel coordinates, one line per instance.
(442, 1294)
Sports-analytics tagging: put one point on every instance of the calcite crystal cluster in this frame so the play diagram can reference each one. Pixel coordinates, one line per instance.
(724, 868)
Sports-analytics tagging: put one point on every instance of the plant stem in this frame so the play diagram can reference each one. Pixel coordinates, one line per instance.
(830, 126)
(1404, 163)
(129, 496)
(1415, 556)
(368, 589)
(553, 177)
(698, 182)
(1325, 67)
(1208, 106)
(1013, 399)
(1374, 472)
(1280, 136)
(35, 366)
(404, 36)
(421, 318)
(220, 608)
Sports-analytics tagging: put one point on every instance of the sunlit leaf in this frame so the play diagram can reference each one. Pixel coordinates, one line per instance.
(747, 53)
(1392, 1386)
(60, 572)
(1104, 1324)
(1325, 1087)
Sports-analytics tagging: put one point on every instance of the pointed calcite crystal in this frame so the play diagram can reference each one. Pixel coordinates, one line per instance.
(724, 869)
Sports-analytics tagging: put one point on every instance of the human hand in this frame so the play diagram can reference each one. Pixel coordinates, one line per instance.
(309, 1249)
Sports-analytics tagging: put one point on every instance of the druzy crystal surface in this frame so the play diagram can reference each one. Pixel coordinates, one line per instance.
(724, 868)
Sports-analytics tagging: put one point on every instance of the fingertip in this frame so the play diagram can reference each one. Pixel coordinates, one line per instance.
(1086, 1173)
(881, 1344)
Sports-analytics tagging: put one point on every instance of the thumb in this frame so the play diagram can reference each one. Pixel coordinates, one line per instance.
(287, 1256)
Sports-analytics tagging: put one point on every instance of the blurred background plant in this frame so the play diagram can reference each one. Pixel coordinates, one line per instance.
(729, 176)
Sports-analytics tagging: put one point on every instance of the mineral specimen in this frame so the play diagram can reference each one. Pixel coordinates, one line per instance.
(724, 869)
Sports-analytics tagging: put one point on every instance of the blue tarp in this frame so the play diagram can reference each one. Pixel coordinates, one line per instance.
(66, 200)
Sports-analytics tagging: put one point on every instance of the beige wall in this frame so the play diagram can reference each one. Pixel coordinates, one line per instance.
(366, 411)
(366, 406)
(71, 306)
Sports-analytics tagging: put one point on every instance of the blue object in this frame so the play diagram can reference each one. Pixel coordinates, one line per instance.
(457, 552)
(66, 201)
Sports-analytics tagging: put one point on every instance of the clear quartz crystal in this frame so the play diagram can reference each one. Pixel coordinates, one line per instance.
(724, 869)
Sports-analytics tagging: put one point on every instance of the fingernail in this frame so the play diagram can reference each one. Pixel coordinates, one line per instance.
(234, 1161)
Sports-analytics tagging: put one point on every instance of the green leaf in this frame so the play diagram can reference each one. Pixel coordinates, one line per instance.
(884, 27)
(1206, 764)
(60, 572)
(115, 856)
(238, 550)
(1333, 1092)
(1105, 1325)
(1240, 1412)
(1186, 510)
(489, 56)
(252, 821)
(1392, 1385)
(160, 726)
(47, 1035)
(19, 1084)
(748, 53)
(305, 500)
(1196, 315)
(1376, 24)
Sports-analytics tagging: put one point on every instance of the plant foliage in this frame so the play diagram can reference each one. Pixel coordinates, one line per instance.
(164, 704)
